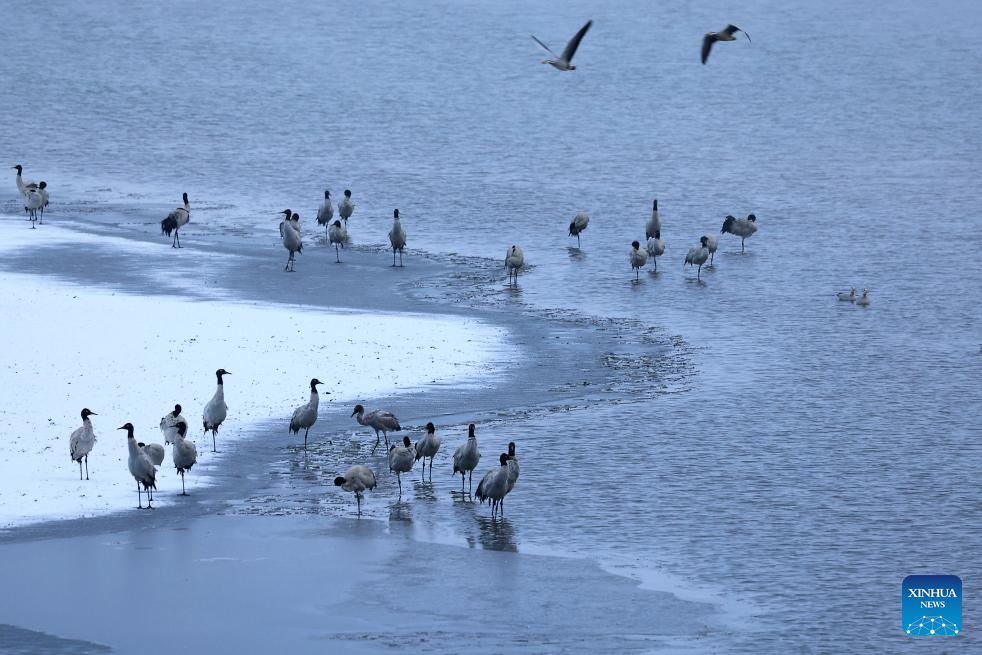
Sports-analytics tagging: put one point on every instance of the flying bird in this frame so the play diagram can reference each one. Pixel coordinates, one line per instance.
(563, 62)
(713, 37)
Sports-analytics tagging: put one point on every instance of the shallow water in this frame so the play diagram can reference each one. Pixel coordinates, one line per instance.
(806, 441)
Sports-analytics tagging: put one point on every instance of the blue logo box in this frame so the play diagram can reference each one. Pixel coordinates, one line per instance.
(932, 605)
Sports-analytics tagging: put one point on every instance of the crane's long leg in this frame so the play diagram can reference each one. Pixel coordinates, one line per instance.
(470, 480)
(743, 248)
(377, 439)
(139, 497)
(79, 468)
(462, 476)
(358, 498)
(400, 258)
(86, 467)
(305, 438)
(399, 478)
(337, 253)
(214, 448)
(183, 490)
(149, 499)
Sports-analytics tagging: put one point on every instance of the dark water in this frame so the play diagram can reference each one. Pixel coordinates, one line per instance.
(814, 443)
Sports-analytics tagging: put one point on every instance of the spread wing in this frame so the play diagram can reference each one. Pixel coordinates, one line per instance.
(733, 29)
(574, 43)
(544, 46)
(707, 45)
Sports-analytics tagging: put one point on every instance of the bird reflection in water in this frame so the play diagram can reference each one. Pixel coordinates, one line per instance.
(496, 534)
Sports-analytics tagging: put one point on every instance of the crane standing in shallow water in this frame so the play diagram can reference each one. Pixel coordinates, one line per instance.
(358, 478)
(428, 446)
(326, 211)
(401, 459)
(741, 227)
(494, 486)
(638, 259)
(175, 221)
(305, 416)
(577, 225)
(379, 420)
(698, 255)
(514, 260)
(397, 237)
(466, 458)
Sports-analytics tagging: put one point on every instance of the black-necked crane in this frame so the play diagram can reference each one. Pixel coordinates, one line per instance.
(356, 479)
(639, 258)
(379, 420)
(141, 468)
(514, 261)
(397, 237)
(175, 221)
(428, 446)
(466, 458)
(578, 224)
(741, 227)
(726, 34)
(216, 410)
(81, 442)
(305, 416)
(698, 255)
(401, 459)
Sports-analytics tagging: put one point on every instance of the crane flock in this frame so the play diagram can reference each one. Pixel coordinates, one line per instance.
(500, 479)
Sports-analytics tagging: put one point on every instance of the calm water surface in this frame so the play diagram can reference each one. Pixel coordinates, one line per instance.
(821, 451)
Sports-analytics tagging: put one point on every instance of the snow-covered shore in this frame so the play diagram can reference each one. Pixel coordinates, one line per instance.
(129, 358)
